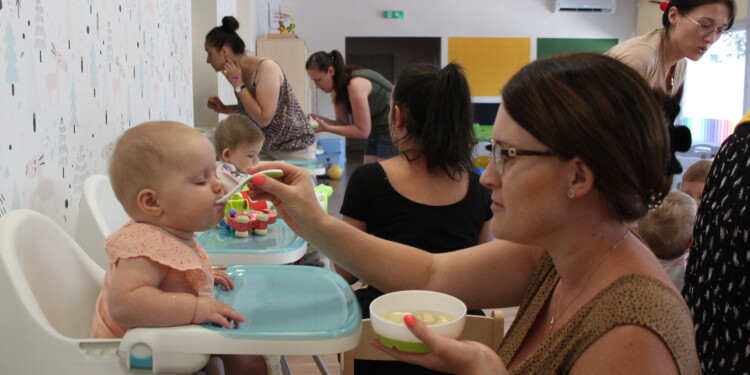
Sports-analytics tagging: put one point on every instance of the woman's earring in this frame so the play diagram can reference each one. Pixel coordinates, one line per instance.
(571, 193)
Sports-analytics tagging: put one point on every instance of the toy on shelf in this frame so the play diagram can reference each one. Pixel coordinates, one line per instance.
(244, 221)
(283, 27)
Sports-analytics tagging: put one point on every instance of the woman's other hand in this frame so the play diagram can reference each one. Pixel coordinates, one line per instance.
(447, 355)
(292, 194)
(217, 105)
(323, 124)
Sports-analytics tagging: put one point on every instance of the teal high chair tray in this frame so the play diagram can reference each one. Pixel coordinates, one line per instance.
(279, 246)
(315, 168)
(288, 310)
(290, 303)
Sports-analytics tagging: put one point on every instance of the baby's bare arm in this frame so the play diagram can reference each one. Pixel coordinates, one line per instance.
(136, 301)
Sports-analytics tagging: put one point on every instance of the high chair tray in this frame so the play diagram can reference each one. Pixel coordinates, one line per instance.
(279, 246)
(292, 310)
(315, 168)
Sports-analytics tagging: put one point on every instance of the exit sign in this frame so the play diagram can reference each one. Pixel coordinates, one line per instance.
(393, 14)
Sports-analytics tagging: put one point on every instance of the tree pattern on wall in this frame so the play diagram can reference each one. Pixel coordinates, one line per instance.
(40, 36)
(94, 69)
(62, 157)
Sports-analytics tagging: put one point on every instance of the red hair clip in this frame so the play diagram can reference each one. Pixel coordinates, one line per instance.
(663, 5)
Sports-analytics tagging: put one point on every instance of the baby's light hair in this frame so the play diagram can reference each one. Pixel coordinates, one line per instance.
(698, 172)
(668, 228)
(140, 156)
(233, 131)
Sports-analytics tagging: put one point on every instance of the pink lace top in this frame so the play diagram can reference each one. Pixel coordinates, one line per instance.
(145, 240)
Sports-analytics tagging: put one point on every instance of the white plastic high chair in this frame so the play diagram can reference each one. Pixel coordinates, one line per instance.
(100, 214)
(48, 288)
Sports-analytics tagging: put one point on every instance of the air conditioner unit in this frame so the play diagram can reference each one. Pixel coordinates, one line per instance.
(586, 6)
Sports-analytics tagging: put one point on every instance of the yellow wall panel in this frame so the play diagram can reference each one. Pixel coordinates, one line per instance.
(489, 62)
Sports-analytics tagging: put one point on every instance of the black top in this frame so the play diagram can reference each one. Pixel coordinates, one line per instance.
(717, 278)
(370, 198)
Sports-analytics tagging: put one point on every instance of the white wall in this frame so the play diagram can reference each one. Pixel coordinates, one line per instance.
(114, 64)
(205, 79)
(324, 24)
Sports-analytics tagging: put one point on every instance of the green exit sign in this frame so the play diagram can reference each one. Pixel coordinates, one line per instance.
(393, 14)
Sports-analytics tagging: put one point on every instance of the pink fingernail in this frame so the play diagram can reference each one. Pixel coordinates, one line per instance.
(259, 180)
(409, 320)
(235, 78)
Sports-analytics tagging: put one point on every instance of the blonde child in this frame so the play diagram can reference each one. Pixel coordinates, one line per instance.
(237, 142)
(163, 174)
(668, 231)
(694, 179)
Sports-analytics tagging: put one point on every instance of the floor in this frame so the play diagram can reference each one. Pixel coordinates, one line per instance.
(305, 365)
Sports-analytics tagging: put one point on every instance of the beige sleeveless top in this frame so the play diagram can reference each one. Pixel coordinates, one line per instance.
(630, 300)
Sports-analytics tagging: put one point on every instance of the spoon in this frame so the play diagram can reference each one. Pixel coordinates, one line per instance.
(275, 173)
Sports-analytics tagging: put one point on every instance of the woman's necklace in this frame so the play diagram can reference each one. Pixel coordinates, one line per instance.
(554, 305)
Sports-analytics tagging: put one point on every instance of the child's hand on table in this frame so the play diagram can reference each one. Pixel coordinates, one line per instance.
(221, 278)
(210, 310)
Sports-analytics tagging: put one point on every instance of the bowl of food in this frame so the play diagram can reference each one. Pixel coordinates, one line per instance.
(442, 313)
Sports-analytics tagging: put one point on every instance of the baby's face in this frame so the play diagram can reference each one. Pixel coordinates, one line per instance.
(693, 189)
(190, 187)
(244, 156)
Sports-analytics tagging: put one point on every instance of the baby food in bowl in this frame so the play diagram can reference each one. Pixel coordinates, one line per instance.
(428, 317)
(443, 314)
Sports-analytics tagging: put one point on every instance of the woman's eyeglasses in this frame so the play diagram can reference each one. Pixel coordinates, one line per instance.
(705, 29)
(500, 155)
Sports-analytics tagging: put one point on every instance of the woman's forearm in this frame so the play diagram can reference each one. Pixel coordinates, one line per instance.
(349, 131)
(387, 265)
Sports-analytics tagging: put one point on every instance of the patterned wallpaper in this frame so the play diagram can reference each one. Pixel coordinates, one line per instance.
(74, 74)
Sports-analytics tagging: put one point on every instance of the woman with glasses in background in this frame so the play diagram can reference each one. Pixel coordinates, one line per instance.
(578, 152)
(690, 28)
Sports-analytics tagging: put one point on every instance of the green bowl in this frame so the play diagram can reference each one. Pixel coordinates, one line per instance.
(404, 346)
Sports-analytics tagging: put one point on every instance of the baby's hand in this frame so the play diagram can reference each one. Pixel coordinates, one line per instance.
(210, 310)
(221, 278)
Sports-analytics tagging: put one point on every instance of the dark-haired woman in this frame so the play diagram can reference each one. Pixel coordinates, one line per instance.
(263, 95)
(427, 196)
(361, 101)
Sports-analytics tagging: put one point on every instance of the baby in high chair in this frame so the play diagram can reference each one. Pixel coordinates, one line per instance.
(237, 142)
(164, 175)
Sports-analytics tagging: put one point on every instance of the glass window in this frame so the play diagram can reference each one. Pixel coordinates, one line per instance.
(713, 100)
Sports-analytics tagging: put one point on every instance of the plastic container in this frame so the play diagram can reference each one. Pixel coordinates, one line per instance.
(334, 152)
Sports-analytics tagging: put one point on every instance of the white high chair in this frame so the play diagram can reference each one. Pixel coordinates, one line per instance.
(49, 287)
(100, 214)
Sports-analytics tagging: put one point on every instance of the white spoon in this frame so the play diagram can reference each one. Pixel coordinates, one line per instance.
(275, 173)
